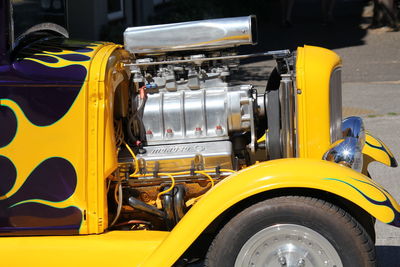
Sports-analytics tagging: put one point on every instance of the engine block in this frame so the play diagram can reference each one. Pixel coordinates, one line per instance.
(183, 100)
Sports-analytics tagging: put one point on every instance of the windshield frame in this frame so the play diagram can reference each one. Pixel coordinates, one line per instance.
(37, 27)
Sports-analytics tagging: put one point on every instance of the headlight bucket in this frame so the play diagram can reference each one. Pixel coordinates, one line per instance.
(348, 151)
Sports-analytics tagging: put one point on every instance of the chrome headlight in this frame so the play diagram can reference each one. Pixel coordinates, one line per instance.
(348, 151)
(335, 105)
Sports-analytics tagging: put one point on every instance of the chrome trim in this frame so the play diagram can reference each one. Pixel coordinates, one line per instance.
(335, 104)
(348, 151)
(287, 116)
(202, 34)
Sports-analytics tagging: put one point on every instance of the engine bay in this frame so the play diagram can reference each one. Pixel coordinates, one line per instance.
(181, 125)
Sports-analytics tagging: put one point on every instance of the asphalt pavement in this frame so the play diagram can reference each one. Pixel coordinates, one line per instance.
(371, 90)
(371, 86)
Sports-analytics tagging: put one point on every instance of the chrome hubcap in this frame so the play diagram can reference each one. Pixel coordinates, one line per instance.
(288, 245)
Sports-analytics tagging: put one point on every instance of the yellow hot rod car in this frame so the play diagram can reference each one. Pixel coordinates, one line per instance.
(147, 155)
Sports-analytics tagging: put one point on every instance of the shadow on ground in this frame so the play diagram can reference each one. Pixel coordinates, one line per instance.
(347, 30)
(307, 27)
(388, 255)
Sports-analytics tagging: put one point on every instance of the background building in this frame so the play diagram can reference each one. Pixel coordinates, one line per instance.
(107, 19)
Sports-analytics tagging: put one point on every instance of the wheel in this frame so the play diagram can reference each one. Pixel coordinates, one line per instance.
(292, 231)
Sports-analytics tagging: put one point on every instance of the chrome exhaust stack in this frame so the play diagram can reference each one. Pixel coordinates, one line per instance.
(194, 35)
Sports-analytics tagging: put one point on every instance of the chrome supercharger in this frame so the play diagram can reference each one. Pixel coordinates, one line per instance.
(191, 111)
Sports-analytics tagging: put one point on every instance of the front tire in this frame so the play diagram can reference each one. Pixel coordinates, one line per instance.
(292, 231)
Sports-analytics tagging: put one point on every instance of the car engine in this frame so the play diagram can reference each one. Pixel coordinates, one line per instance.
(182, 126)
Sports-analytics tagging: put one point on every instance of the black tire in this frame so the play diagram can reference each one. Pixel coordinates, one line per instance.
(345, 236)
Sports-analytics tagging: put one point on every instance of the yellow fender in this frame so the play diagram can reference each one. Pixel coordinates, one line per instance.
(375, 150)
(275, 174)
